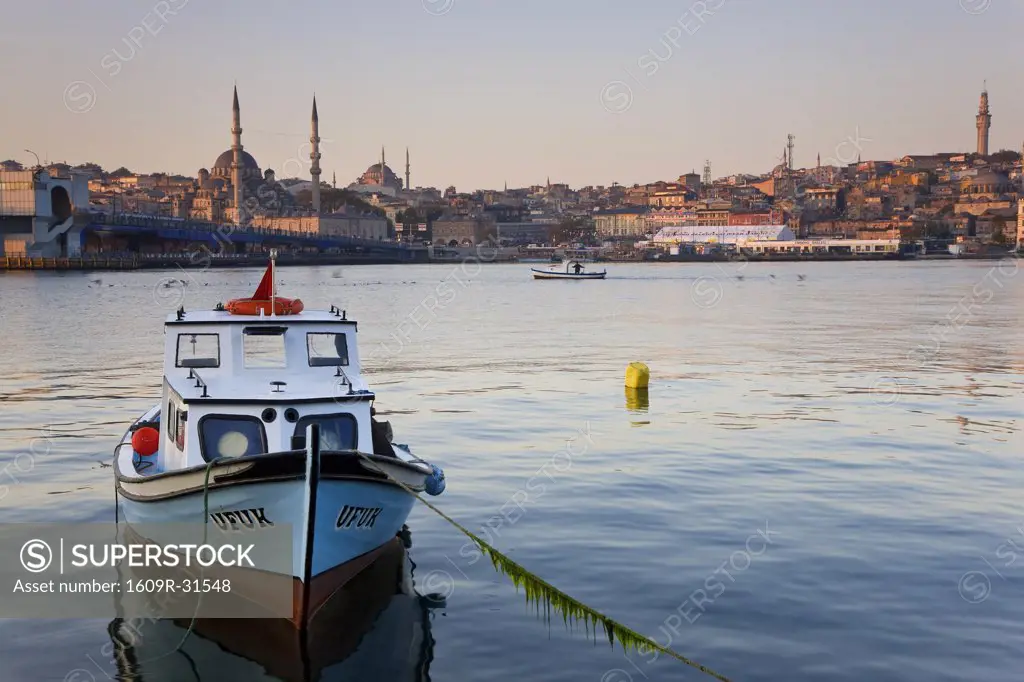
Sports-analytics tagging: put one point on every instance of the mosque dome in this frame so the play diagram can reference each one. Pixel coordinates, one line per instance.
(989, 182)
(373, 176)
(990, 178)
(222, 168)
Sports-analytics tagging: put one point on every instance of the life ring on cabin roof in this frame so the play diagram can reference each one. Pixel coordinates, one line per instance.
(252, 306)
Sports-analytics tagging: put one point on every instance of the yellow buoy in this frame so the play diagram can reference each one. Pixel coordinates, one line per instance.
(637, 375)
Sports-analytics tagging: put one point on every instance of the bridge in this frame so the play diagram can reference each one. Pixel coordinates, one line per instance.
(149, 234)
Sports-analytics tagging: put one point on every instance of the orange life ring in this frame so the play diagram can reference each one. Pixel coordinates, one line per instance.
(252, 306)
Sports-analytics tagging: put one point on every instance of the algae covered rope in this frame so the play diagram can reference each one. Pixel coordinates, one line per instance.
(539, 590)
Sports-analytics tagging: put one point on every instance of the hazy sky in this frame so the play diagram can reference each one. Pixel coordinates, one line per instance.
(488, 91)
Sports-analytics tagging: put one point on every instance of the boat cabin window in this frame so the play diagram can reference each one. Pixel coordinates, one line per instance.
(263, 347)
(230, 436)
(327, 349)
(337, 431)
(175, 421)
(198, 350)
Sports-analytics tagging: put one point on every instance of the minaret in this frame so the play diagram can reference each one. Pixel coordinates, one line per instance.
(236, 161)
(314, 156)
(382, 164)
(984, 122)
(408, 185)
(334, 180)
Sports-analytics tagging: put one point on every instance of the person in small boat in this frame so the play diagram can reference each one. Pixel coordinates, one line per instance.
(577, 268)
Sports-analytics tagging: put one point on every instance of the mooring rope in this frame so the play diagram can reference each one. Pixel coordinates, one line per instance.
(569, 607)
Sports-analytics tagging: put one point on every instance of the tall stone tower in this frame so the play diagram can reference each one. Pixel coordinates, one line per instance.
(408, 186)
(314, 156)
(984, 122)
(236, 160)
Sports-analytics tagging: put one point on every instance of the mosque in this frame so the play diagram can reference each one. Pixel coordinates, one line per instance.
(236, 190)
(235, 180)
(380, 179)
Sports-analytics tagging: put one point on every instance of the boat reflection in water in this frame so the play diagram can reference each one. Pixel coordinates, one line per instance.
(375, 628)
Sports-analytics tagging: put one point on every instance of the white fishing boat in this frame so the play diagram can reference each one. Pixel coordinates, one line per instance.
(266, 421)
(569, 269)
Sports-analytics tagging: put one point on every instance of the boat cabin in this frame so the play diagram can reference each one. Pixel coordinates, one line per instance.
(243, 385)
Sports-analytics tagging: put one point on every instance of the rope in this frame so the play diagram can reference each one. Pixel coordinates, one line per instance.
(570, 607)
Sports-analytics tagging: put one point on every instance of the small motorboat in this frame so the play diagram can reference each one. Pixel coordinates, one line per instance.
(569, 269)
(266, 425)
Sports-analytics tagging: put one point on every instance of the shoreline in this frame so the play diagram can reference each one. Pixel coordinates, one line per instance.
(114, 264)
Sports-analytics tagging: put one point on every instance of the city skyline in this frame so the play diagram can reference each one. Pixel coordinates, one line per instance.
(724, 80)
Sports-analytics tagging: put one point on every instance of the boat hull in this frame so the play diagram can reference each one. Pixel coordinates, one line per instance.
(350, 521)
(337, 509)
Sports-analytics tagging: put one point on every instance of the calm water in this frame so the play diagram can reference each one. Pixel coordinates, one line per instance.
(825, 485)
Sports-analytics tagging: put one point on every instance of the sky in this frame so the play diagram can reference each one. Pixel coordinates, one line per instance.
(484, 92)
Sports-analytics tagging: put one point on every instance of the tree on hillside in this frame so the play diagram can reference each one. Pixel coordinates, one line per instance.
(121, 172)
(999, 230)
(410, 217)
(1005, 156)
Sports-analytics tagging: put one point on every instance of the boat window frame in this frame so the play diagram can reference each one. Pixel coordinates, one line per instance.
(177, 352)
(344, 361)
(172, 422)
(237, 417)
(181, 427)
(264, 330)
(297, 433)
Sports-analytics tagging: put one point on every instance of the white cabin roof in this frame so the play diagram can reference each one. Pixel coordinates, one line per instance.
(218, 357)
(224, 317)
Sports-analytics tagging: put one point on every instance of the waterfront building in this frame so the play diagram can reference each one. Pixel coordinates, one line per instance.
(464, 230)
(823, 246)
(342, 224)
(529, 232)
(997, 226)
(737, 218)
(659, 218)
(714, 214)
(37, 213)
(721, 234)
(621, 222)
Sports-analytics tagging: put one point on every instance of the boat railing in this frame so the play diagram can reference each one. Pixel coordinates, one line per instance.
(193, 374)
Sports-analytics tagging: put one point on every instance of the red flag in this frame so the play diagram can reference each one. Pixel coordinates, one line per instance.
(265, 289)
